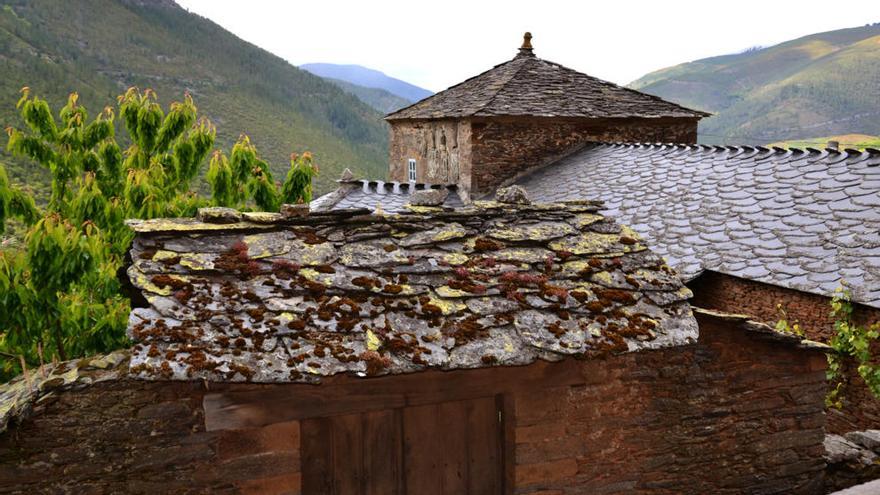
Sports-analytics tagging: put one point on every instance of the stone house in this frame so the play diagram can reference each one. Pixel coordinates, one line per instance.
(748, 228)
(521, 114)
(493, 348)
(403, 337)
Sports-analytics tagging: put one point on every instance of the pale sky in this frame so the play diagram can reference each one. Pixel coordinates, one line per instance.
(440, 43)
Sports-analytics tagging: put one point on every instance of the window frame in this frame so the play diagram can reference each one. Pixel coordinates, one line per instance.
(412, 169)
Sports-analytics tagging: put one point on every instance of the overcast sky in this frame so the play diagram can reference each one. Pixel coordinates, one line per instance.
(437, 44)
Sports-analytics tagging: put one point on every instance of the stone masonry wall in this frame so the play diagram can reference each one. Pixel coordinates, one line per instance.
(733, 414)
(736, 295)
(738, 412)
(441, 148)
(504, 148)
(813, 313)
(480, 155)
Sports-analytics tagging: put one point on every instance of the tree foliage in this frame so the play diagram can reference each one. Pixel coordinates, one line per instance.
(61, 294)
(851, 341)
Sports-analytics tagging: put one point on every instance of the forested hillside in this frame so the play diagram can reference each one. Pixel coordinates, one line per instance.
(819, 85)
(101, 47)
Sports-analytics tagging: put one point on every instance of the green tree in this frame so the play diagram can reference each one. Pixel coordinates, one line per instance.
(298, 185)
(60, 295)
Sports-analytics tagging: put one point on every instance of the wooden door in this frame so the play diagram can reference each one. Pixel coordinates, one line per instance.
(451, 448)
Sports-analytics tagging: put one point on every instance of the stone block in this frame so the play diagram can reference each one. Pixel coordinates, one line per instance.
(219, 214)
(869, 439)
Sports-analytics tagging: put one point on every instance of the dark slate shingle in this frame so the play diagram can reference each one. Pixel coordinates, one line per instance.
(530, 86)
(806, 220)
(390, 196)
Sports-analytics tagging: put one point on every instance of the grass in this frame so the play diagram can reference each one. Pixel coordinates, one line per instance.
(856, 141)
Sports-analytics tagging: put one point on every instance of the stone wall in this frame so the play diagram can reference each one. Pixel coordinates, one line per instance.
(738, 412)
(504, 148)
(479, 155)
(813, 313)
(440, 147)
(759, 300)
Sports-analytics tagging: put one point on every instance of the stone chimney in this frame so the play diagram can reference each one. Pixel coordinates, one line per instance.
(833, 145)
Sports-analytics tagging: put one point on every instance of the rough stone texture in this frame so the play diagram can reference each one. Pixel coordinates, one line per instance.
(801, 219)
(869, 439)
(738, 412)
(512, 195)
(490, 152)
(749, 420)
(849, 462)
(505, 148)
(869, 488)
(529, 86)
(131, 436)
(219, 214)
(440, 148)
(861, 410)
(290, 211)
(759, 300)
(344, 293)
(429, 197)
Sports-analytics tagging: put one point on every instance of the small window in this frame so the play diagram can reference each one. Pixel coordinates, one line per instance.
(412, 170)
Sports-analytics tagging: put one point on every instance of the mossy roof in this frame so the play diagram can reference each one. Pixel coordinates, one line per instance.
(277, 299)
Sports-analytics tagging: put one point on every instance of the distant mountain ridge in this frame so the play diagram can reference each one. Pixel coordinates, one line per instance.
(818, 85)
(378, 98)
(368, 78)
(101, 47)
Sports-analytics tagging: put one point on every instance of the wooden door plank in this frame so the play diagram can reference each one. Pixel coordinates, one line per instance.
(382, 453)
(348, 448)
(451, 425)
(506, 403)
(316, 456)
(421, 444)
(483, 428)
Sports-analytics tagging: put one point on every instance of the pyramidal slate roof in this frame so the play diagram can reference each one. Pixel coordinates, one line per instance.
(802, 219)
(530, 86)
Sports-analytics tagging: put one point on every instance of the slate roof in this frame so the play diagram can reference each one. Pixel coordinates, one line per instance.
(391, 196)
(20, 395)
(273, 299)
(802, 219)
(530, 86)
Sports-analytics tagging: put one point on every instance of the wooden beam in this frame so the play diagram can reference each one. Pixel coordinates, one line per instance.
(233, 406)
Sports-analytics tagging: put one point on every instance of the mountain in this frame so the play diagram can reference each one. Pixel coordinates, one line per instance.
(819, 85)
(369, 78)
(101, 47)
(378, 98)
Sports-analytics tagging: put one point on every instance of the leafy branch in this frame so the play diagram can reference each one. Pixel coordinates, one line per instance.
(851, 341)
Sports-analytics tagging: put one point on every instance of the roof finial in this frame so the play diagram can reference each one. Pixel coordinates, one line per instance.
(526, 48)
